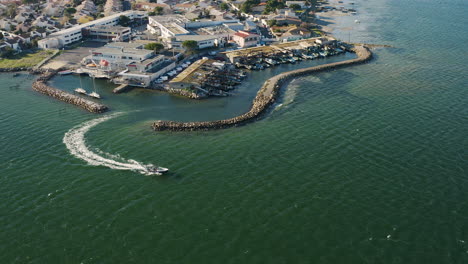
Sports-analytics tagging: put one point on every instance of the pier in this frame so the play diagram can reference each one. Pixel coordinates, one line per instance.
(265, 96)
(122, 88)
(40, 85)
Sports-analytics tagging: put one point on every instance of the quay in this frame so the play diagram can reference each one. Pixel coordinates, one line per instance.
(122, 88)
(265, 96)
(40, 85)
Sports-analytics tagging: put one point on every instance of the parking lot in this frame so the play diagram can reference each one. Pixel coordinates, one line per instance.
(71, 58)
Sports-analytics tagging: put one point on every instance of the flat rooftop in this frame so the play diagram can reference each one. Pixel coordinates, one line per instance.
(94, 22)
(110, 28)
(195, 37)
(157, 68)
(128, 45)
(123, 48)
(176, 29)
(178, 19)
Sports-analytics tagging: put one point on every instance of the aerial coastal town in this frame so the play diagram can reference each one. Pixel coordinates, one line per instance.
(193, 48)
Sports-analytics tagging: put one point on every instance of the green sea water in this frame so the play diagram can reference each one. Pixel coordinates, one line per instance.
(366, 164)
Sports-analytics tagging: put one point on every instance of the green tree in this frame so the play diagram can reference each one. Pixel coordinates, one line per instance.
(295, 7)
(272, 5)
(246, 7)
(190, 45)
(224, 6)
(11, 11)
(152, 13)
(154, 46)
(124, 21)
(7, 52)
(271, 22)
(158, 10)
(69, 11)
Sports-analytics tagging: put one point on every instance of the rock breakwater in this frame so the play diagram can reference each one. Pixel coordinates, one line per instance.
(265, 96)
(40, 85)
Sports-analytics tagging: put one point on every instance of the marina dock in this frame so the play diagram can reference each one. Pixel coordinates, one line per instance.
(40, 85)
(122, 88)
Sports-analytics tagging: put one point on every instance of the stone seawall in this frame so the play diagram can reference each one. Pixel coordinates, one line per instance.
(40, 86)
(265, 96)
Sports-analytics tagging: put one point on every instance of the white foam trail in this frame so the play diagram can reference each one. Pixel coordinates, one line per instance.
(74, 139)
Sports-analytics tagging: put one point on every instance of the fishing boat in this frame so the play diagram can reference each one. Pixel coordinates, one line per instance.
(270, 61)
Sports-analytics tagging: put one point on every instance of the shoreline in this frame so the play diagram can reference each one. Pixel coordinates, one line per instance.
(267, 95)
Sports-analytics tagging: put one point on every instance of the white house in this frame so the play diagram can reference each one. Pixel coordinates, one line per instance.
(246, 39)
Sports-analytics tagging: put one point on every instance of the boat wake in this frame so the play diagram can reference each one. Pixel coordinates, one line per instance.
(74, 139)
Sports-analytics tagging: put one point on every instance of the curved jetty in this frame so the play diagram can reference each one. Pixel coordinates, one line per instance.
(40, 86)
(265, 96)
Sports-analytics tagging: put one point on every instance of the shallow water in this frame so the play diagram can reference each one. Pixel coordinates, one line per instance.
(366, 164)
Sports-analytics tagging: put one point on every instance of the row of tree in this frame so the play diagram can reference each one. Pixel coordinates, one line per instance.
(189, 45)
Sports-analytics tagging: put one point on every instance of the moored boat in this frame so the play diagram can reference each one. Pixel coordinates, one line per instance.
(94, 95)
(66, 72)
(80, 90)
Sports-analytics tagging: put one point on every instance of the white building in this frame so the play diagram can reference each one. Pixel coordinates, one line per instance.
(108, 33)
(67, 36)
(169, 26)
(246, 39)
(203, 41)
(132, 63)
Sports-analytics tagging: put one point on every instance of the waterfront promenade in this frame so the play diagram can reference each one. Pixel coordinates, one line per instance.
(265, 96)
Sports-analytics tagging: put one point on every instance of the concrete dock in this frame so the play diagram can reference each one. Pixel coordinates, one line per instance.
(122, 88)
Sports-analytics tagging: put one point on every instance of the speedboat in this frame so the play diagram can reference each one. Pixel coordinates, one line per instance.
(162, 169)
(157, 170)
(80, 90)
(95, 95)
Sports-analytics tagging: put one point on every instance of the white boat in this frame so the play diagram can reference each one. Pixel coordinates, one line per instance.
(80, 90)
(162, 169)
(66, 72)
(157, 170)
(94, 95)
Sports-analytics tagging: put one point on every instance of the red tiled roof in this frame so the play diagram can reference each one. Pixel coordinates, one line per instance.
(241, 34)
